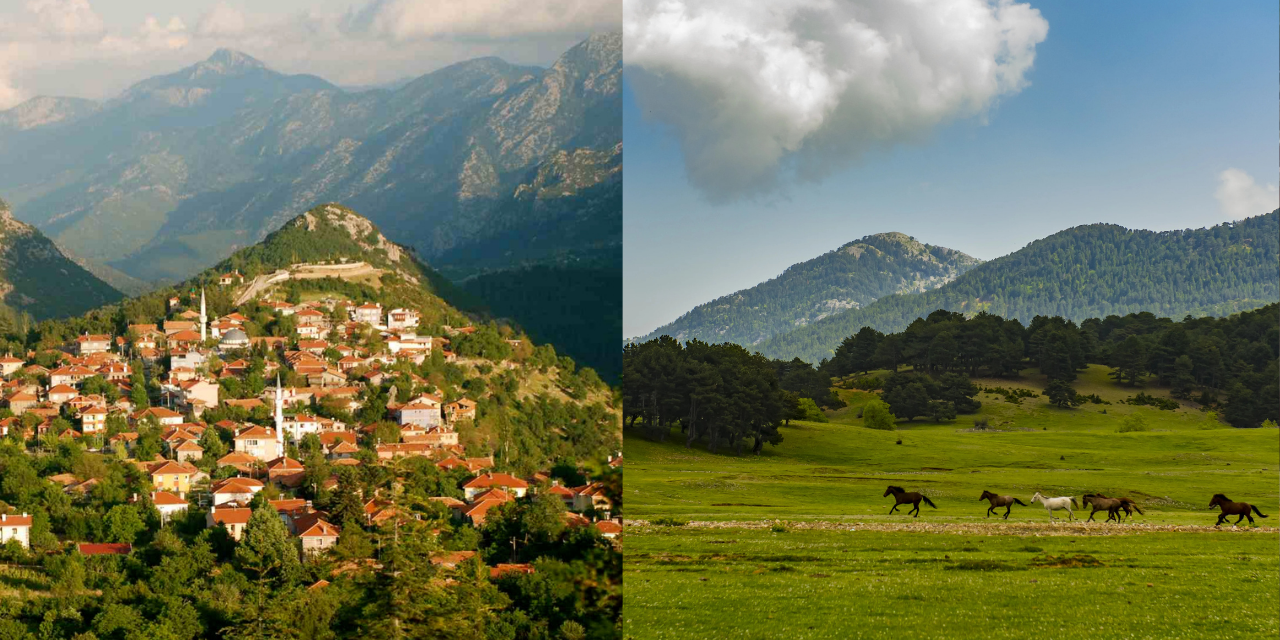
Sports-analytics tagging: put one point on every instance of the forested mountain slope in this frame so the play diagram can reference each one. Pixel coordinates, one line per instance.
(850, 277)
(1088, 271)
(38, 280)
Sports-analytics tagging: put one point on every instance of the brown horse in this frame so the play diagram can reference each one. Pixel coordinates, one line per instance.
(1230, 508)
(1000, 501)
(1100, 502)
(903, 497)
(1127, 504)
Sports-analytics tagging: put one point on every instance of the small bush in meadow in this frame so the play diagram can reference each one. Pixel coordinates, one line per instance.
(875, 415)
(1133, 422)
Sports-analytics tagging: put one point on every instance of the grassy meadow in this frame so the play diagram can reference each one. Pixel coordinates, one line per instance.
(841, 566)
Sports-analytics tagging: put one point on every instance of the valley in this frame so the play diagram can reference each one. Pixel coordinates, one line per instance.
(804, 525)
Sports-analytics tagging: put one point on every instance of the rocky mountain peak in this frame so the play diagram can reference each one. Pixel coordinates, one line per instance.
(230, 62)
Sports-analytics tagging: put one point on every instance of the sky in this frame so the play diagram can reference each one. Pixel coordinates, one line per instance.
(759, 138)
(97, 48)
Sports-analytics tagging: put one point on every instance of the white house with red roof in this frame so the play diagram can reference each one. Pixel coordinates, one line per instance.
(92, 343)
(233, 518)
(165, 416)
(481, 483)
(15, 527)
(315, 534)
(10, 365)
(70, 375)
(423, 411)
(168, 504)
(402, 319)
(237, 489)
(262, 443)
(368, 313)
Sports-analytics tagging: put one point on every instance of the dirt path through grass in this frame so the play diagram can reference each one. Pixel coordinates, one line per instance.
(975, 528)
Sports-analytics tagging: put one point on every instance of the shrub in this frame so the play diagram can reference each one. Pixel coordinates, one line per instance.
(875, 415)
(667, 521)
(1164, 404)
(1133, 422)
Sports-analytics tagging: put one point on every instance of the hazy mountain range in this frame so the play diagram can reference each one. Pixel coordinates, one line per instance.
(482, 167)
(1087, 271)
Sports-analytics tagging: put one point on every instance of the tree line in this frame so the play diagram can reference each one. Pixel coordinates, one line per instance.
(1224, 363)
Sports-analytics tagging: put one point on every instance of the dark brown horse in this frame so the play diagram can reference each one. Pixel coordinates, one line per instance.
(1127, 504)
(1230, 508)
(1100, 502)
(1000, 501)
(904, 497)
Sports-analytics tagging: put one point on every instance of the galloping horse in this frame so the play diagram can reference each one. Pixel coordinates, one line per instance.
(902, 497)
(1230, 508)
(1127, 504)
(1053, 504)
(1100, 502)
(1000, 501)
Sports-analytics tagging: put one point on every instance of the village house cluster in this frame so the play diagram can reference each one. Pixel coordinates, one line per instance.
(190, 353)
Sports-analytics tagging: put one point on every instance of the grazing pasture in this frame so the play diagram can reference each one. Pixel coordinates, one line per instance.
(798, 542)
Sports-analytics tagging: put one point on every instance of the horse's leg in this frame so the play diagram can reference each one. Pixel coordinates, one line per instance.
(1250, 517)
(1221, 517)
(1241, 518)
(915, 508)
(1095, 510)
(1007, 509)
(989, 511)
(895, 507)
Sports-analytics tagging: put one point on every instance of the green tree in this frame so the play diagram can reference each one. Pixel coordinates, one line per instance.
(123, 524)
(876, 415)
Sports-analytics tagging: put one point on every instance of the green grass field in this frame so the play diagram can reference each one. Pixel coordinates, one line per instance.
(833, 475)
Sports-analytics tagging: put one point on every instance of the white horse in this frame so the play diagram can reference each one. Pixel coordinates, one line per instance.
(1053, 504)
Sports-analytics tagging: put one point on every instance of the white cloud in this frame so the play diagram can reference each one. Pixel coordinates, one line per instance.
(764, 93)
(66, 18)
(409, 19)
(221, 20)
(61, 47)
(1239, 196)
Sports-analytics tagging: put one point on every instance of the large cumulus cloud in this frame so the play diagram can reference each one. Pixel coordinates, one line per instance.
(764, 93)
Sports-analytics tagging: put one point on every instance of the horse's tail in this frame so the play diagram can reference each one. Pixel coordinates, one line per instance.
(1135, 508)
(1073, 502)
(1020, 502)
(1255, 510)
(930, 502)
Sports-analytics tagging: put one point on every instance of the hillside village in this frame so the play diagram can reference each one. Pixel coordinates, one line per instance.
(94, 391)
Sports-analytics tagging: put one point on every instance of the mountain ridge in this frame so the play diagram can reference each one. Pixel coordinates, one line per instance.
(1085, 271)
(853, 275)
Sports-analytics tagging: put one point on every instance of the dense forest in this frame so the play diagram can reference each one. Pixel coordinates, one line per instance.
(855, 275)
(1223, 363)
(1090, 271)
(719, 394)
(576, 308)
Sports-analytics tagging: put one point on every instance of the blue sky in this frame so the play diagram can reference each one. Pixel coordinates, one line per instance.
(1132, 113)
